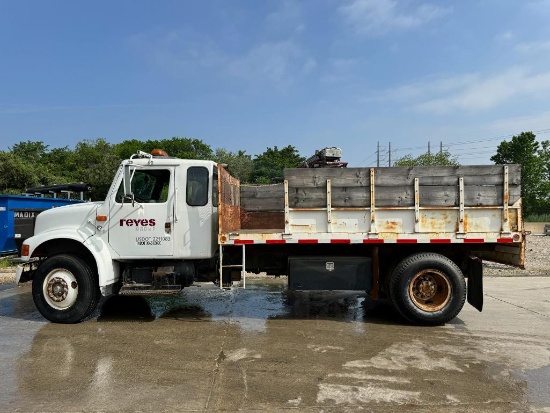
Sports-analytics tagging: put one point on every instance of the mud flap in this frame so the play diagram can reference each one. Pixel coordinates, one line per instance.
(475, 282)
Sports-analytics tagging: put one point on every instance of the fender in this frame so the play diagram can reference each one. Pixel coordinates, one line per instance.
(106, 268)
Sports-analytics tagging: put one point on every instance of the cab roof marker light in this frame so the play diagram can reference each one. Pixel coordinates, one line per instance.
(159, 152)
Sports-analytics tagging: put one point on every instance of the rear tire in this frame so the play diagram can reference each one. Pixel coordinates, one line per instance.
(65, 289)
(427, 289)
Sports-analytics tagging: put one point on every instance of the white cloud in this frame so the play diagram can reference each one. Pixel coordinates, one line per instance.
(17, 109)
(533, 47)
(186, 52)
(279, 62)
(539, 5)
(505, 36)
(339, 70)
(430, 87)
(534, 123)
(492, 91)
(288, 18)
(178, 52)
(472, 92)
(376, 17)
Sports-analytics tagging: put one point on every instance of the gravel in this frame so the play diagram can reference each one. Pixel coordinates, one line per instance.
(7, 275)
(537, 260)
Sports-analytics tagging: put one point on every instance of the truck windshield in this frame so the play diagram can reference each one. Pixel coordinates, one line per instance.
(148, 186)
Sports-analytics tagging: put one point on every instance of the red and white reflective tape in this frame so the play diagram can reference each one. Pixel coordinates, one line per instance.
(370, 241)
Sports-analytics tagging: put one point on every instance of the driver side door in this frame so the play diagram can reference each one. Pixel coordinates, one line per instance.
(144, 227)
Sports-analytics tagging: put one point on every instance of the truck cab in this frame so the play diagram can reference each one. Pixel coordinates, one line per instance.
(155, 231)
(154, 205)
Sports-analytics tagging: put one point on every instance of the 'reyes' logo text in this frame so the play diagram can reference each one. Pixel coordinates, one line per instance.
(137, 222)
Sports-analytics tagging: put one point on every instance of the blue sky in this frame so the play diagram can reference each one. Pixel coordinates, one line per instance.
(248, 74)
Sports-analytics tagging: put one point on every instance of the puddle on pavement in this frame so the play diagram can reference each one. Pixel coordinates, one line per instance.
(249, 309)
(16, 302)
(6, 286)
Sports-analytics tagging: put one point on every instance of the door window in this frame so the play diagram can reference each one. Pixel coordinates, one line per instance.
(148, 186)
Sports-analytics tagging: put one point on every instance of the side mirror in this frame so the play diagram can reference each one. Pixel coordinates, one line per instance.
(127, 181)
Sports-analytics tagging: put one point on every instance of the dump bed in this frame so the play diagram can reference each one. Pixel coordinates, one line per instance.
(446, 204)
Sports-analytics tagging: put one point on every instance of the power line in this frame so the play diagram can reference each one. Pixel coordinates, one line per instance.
(367, 158)
(384, 155)
(475, 148)
(542, 131)
(468, 142)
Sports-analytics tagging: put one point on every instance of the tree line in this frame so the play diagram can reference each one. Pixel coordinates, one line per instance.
(29, 164)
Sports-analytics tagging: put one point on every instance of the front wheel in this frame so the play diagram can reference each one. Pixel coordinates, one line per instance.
(428, 289)
(64, 289)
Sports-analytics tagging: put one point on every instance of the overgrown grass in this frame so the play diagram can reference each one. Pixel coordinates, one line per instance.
(537, 218)
(6, 263)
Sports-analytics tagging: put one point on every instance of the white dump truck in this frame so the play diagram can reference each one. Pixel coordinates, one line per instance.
(413, 235)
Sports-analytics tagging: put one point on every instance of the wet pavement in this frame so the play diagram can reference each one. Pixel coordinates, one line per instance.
(261, 349)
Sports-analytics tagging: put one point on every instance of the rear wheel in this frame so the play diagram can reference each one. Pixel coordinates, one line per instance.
(65, 289)
(427, 289)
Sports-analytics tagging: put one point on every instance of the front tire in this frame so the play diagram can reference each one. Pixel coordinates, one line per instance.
(65, 289)
(427, 289)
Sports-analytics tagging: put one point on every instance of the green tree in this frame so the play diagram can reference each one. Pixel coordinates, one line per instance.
(31, 151)
(184, 148)
(17, 174)
(534, 158)
(443, 158)
(127, 148)
(95, 163)
(269, 165)
(239, 164)
(33, 154)
(544, 153)
(57, 165)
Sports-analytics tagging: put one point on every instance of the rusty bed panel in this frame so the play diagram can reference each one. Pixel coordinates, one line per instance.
(229, 208)
(264, 220)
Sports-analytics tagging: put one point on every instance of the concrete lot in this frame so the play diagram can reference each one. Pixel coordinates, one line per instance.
(262, 350)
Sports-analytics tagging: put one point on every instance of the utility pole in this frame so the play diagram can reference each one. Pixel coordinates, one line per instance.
(389, 154)
(441, 147)
(429, 152)
(378, 154)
